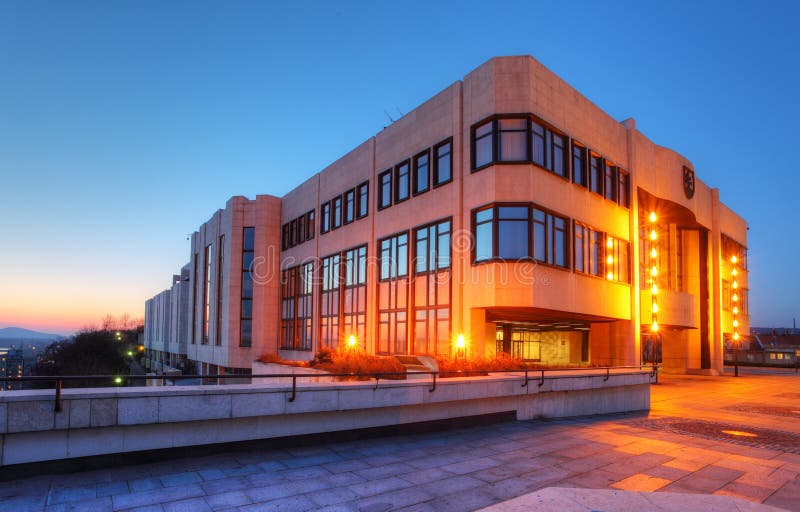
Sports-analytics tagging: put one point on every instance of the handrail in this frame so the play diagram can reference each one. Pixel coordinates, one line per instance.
(60, 379)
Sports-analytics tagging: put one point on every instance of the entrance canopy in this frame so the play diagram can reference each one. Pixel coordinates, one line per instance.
(543, 319)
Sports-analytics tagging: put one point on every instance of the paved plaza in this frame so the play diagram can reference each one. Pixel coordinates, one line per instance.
(709, 435)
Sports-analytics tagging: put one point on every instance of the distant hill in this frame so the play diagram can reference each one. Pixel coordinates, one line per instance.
(18, 333)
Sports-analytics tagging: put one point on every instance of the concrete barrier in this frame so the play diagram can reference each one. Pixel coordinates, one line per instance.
(118, 420)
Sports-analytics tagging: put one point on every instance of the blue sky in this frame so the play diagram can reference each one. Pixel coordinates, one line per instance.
(124, 125)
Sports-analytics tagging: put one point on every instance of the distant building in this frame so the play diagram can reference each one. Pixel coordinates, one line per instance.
(507, 214)
(12, 364)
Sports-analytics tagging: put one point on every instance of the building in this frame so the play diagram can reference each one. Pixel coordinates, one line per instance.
(12, 364)
(166, 326)
(507, 214)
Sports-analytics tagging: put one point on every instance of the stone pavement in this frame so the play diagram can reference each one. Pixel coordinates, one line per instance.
(695, 440)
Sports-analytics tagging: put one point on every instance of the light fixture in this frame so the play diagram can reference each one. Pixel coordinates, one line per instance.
(351, 341)
(460, 343)
(734, 314)
(653, 272)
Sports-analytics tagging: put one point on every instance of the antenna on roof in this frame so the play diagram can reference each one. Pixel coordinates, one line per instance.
(387, 115)
(401, 112)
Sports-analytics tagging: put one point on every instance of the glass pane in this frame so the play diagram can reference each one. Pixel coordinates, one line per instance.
(402, 255)
(247, 260)
(513, 147)
(579, 248)
(247, 308)
(249, 239)
(421, 257)
(513, 239)
(483, 241)
(538, 144)
(483, 129)
(512, 212)
(484, 215)
(247, 333)
(483, 151)
(443, 164)
(443, 255)
(539, 245)
(513, 124)
(247, 285)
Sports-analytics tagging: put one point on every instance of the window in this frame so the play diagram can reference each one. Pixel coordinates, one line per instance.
(354, 304)
(248, 257)
(550, 238)
(401, 182)
(731, 247)
(483, 145)
(538, 144)
(557, 154)
(512, 232)
(336, 212)
(393, 295)
(623, 188)
(330, 301)
(611, 182)
(617, 260)
(432, 248)
(596, 175)
(442, 163)
(349, 206)
(362, 198)
(220, 287)
(385, 190)
(421, 172)
(513, 145)
(325, 213)
(297, 231)
(579, 170)
(483, 221)
(195, 278)
(588, 250)
(394, 257)
(431, 289)
(296, 307)
(206, 293)
(310, 228)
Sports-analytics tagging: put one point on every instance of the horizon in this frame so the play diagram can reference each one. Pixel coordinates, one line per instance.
(118, 145)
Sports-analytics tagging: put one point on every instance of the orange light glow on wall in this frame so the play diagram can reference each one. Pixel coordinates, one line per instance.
(735, 299)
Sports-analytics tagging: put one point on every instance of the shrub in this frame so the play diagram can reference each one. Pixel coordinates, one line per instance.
(274, 359)
(451, 367)
(345, 360)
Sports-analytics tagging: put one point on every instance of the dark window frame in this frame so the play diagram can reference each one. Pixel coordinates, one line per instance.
(394, 262)
(397, 178)
(336, 218)
(362, 190)
(325, 217)
(246, 273)
(583, 172)
(435, 157)
(349, 207)
(415, 182)
(385, 178)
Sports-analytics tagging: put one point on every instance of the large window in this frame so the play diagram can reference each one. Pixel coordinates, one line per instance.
(248, 257)
(296, 307)
(596, 174)
(601, 255)
(617, 260)
(401, 181)
(393, 295)
(325, 214)
(362, 200)
(422, 172)
(354, 307)
(520, 139)
(432, 289)
(298, 230)
(611, 182)
(623, 188)
(330, 301)
(514, 232)
(731, 247)
(195, 278)
(385, 190)
(442, 163)
(336, 212)
(206, 293)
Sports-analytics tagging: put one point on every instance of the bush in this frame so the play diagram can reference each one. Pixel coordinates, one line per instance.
(274, 359)
(344, 360)
(451, 367)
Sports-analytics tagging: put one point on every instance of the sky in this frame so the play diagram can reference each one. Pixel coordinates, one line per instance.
(124, 125)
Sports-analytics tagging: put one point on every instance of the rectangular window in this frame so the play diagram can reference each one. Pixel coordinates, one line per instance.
(354, 304)
(442, 163)
(623, 188)
(285, 236)
(336, 212)
(349, 206)
(325, 221)
(537, 138)
(293, 233)
(558, 155)
(207, 293)
(296, 307)
(310, 227)
(483, 145)
(385, 190)
(394, 257)
(195, 278)
(401, 182)
(483, 221)
(301, 229)
(330, 301)
(596, 175)
(431, 290)
(588, 250)
(611, 181)
(220, 288)
(512, 232)
(248, 258)
(580, 247)
(579, 169)
(393, 295)
(550, 239)
(617, 260)
(422, 172)
(513, 146)
(362, 200)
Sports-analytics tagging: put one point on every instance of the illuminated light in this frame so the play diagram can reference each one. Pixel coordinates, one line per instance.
(739, 433)
(653, 217)
(734, 272)
(610, 243)
(654, 289)
(735, 298)
(736, 323)
(351, 341)
(654, 271)
(460, 343)
(735, 285)
(130, 353)
(610, 276)
(653, 234)
(654, 327)
(736, 336)
(610, 260)
(653, 253)
(735, 310)
(117, 380)
(734, 259)
(655, 308)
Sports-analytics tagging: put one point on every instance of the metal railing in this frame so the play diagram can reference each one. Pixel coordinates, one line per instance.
(526, 374)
